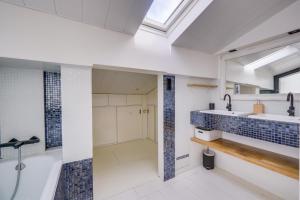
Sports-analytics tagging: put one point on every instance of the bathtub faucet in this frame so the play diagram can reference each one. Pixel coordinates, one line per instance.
(17, 144)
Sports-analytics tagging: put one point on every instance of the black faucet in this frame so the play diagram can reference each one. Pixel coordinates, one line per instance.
(291, 110)
(17, 144)
(10, 143)
(229, 106)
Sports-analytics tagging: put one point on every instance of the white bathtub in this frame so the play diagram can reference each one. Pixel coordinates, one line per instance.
(38, 180)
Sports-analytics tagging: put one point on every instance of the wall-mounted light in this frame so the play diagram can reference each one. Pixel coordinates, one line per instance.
(275, 56)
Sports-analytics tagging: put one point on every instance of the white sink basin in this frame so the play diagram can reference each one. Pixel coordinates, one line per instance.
(225, 112)
(280, 118)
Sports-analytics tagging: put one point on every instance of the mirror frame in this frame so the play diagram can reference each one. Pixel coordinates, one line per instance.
(254, 48)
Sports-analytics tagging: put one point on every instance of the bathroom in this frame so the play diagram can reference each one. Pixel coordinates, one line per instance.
(99, 100)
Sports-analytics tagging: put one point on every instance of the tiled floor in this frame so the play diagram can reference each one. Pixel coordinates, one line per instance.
(197, 184)
(118, 168)
(128, 172)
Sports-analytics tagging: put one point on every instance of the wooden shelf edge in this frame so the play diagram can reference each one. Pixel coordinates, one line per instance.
(278, 163)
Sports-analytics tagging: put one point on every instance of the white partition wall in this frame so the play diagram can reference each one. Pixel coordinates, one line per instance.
(160, 125)
(76, 96)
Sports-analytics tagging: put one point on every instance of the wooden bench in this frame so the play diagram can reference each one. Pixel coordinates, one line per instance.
(278, 163)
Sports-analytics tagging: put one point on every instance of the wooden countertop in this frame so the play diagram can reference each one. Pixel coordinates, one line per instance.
(278, 163)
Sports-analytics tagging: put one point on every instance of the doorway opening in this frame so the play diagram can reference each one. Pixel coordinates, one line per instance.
(124, 131)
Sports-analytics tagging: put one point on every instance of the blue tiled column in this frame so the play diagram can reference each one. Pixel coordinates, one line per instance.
(76, 181)
(169, 127)
(52, 106)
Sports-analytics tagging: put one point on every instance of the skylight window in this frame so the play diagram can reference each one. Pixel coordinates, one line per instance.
(161, 10)
(163, 13)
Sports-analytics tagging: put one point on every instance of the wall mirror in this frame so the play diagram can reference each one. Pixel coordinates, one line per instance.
(269, 72)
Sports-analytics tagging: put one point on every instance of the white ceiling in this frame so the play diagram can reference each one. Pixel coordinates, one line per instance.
(225, 21)
(118, 15)
(118, 82)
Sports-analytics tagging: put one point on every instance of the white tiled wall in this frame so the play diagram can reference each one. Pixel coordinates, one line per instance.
(21, 108)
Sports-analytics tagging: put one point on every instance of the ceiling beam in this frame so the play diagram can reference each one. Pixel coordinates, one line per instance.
(187, 19)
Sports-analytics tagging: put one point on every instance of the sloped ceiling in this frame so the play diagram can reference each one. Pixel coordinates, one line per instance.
(283, 65)
(118, 15)
(226, 20)
(118, 82)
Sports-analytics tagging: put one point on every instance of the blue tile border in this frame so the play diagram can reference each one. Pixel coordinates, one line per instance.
(169, 126)
(76, 181)
(271, 131)
(52, 109)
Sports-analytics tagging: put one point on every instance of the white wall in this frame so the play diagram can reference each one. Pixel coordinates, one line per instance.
(186, 100)
(76, 97)
(21, 109)
(282, 22)
(34, 35)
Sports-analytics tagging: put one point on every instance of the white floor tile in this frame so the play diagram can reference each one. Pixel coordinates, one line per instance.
(128, 195)
(129, 171)
(149, 188)
(177, 191)
(121, 167)
(154, 196)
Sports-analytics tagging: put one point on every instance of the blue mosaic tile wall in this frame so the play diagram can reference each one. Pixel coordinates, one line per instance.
(169, 127)
(271, 131)
(76, 181)
(52, 106)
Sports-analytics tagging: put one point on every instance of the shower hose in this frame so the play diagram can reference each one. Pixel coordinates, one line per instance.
(19, 167)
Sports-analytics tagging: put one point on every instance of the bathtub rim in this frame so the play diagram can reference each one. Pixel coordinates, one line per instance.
(49, 189)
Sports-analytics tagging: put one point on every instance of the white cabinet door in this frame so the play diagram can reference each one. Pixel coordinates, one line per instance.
(104, 125)
(151, 123)
(129, 120)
